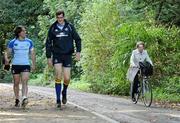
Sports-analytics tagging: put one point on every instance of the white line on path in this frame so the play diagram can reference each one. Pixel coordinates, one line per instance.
(95, 113)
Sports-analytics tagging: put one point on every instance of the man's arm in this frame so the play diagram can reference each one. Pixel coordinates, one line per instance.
(77, 39)
(49, 44)
(7, 55)
(49, 47)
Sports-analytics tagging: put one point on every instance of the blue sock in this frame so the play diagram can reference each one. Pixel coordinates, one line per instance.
(58, 92)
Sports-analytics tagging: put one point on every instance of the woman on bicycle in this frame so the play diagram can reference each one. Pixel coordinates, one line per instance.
(138, 55)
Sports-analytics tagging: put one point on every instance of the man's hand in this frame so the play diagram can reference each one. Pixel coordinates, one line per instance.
(49, 62)
(78, 56)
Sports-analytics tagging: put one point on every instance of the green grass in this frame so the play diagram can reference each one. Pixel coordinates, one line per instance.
(7, 77)
(37, 80)
(80, 85)
(160, 96)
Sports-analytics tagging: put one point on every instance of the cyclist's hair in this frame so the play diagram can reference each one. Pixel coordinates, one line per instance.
(140, 43)
(59, 12)
(18, 30)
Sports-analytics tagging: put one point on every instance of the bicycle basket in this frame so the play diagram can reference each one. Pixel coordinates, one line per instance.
(146, 68)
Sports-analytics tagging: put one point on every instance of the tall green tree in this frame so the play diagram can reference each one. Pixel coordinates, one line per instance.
(164, 11)
(19, 12)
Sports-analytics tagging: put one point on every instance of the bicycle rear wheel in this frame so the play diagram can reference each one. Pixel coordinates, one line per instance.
(147, 93)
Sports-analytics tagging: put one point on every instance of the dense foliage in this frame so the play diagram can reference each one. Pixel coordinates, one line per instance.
(109, 37)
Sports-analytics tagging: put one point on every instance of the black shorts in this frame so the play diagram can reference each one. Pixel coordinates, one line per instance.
(65, 60)
(17, 69)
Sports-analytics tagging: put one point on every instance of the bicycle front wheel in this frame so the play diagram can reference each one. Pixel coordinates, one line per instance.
(147, 93)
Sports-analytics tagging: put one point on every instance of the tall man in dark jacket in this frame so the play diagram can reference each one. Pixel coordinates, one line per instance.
(59, 50)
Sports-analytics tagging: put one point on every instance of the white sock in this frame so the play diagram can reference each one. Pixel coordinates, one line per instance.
(24, 97)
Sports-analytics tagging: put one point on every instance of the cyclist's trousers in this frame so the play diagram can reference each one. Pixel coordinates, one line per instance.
(136, 83)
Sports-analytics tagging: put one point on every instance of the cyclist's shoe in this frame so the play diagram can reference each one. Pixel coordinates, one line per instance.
(58, 105)
(64, 98)
(134, 100)
(24, 102)
(17, 103)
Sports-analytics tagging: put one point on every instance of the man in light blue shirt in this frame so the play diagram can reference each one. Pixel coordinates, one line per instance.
(21, 48)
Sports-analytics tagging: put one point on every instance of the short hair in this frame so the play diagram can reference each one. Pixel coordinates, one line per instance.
(18, 30)
(59, 12)
(140, 43)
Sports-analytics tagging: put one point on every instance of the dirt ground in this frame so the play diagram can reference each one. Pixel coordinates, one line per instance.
(40, 109)
(82, 107)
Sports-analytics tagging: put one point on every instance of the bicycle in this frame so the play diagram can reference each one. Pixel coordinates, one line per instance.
(144, 90)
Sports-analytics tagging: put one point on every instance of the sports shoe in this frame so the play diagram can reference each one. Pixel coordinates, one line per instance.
(24, 102)
(17, 103)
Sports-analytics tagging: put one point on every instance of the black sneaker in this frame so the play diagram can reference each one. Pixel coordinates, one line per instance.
(24, 102)
(17, 103)
(64, 98)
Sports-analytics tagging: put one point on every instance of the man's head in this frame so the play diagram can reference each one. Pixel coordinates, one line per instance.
(20, 31)
(140, 46)
(60, 16)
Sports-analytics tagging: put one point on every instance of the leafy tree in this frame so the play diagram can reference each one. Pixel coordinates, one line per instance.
(164, 11)
(19, 12)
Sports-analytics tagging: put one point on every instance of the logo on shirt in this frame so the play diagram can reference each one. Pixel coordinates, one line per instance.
(13, 72)
(69, 65)
(26, 70)
(66, 29)
(55, 61)
(62, 34)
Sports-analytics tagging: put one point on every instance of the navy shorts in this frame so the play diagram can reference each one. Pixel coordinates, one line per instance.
(65, 60)
(17, 69)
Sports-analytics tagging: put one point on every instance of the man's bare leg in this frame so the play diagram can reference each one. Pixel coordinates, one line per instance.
(16, 78)
(25, 78)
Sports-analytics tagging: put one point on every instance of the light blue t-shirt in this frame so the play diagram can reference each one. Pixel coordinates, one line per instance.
(20, 51)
